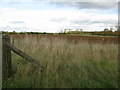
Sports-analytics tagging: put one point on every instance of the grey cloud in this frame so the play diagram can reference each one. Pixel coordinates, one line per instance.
(58, 19)
(93, 22)
(97, 5)
(90, 21)
(9, 28)
(17, 22)
(88, 5)
(79, 21)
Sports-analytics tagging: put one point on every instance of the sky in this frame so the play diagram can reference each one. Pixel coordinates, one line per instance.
(54, 16)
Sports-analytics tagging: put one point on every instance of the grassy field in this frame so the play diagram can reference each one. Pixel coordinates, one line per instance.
(66, 64)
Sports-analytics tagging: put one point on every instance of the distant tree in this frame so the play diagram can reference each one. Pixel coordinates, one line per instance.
(106, 29)
(81, 30)
(61, 31)
(117, 33)
(44, 32)
(111, 29)
(65, 30)
(14, 32)
(32, 32)
(117, 27)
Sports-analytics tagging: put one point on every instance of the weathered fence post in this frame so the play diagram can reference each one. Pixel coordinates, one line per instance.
(0, 61)
(6, 58)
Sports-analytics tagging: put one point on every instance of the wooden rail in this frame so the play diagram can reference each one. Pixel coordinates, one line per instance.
(25, 56)
(7, 47)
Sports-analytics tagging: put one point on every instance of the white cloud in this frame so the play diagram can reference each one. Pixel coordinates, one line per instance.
(54, 20)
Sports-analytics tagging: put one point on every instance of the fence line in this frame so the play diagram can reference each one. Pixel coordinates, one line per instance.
(7, 47)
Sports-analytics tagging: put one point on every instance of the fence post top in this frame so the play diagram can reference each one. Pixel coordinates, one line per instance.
(5, 36)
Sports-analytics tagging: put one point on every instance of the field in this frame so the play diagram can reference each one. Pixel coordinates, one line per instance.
(69, 62)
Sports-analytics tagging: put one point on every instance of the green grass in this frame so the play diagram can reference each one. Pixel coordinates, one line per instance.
(67, 65)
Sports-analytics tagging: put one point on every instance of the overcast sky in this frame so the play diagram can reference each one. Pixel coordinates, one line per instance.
(45, 16)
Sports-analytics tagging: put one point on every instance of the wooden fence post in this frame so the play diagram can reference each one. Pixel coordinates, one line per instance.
(0, 61)
(6, 58)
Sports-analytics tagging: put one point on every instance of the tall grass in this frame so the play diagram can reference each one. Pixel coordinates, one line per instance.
(67, 65)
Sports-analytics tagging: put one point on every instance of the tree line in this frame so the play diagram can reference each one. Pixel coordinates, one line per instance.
(105, 32)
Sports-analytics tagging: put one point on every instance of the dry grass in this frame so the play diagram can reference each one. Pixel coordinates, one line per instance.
(67, 65)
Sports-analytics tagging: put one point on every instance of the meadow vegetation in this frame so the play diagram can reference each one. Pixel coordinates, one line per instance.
(66, 64)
